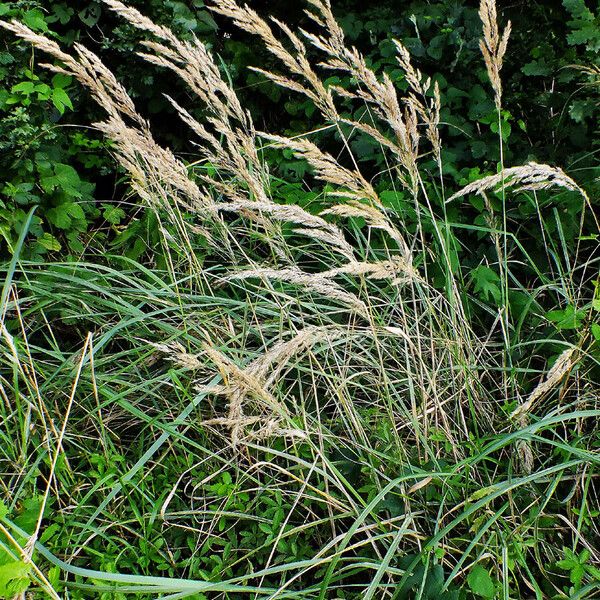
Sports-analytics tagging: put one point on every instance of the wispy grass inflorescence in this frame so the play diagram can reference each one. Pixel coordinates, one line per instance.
(493, 46)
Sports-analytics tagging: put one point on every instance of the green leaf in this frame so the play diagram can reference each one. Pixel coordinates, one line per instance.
(25, 87)
(60, 99)
(3, 510)
(63, 13)
(580, 110)
(35, 19)
(536, 68)
(113, 214)
(14, 578)
(265, 528)
(74, 210)
(60, 80)
(49, 242)
(486, 283)
(596, 331)
(567, 318)
(480, 582)
(59, 217)
(479, 149)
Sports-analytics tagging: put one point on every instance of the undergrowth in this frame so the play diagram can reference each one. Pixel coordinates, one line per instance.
(358, 397)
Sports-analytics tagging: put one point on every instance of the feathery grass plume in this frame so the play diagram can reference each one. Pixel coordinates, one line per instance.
(374, 217)
(269, 365)
(312, 226)
(397, 270)
(315, 282)
(241, 385)
(327, 168)
(177, 354)
(493, 46)
(380, 94)
(191, 61)
(88, 69)
(563, 364)
(231, 148)
(297, 64)
(529, 177)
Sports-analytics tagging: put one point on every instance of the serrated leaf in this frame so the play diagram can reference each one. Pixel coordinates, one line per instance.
(74, 210)
(59, 217)
(567, 318)
(480, 582)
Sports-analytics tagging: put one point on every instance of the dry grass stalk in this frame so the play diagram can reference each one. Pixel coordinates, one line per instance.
(314, 282)
(327, 168)
(191, 61)
(297, 63)
(530, 177)
(493, 46)
(564, 363)
(177, 354)
(256, 379)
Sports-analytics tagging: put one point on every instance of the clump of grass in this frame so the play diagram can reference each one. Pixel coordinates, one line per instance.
(303, 412)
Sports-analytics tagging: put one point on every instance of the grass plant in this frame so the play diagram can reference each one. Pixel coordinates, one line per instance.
(305, 404)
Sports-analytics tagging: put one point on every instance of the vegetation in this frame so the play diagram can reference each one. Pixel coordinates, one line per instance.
(335, 338)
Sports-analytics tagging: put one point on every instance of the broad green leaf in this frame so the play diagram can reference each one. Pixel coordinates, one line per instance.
(35, 19)
(25, 87)
(113, 214)
(60, 99)
(59, 217)
(14, 578)
(567, 318)
(49, 242)
(486, 283)
(60, 80)
(480, 582)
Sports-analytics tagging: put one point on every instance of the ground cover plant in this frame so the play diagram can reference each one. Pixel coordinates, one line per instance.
(349, 378)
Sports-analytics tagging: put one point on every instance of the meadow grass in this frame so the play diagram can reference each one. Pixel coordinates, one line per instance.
(301, 404)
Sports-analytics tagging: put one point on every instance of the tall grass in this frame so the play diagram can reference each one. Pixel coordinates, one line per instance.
(300, 411)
